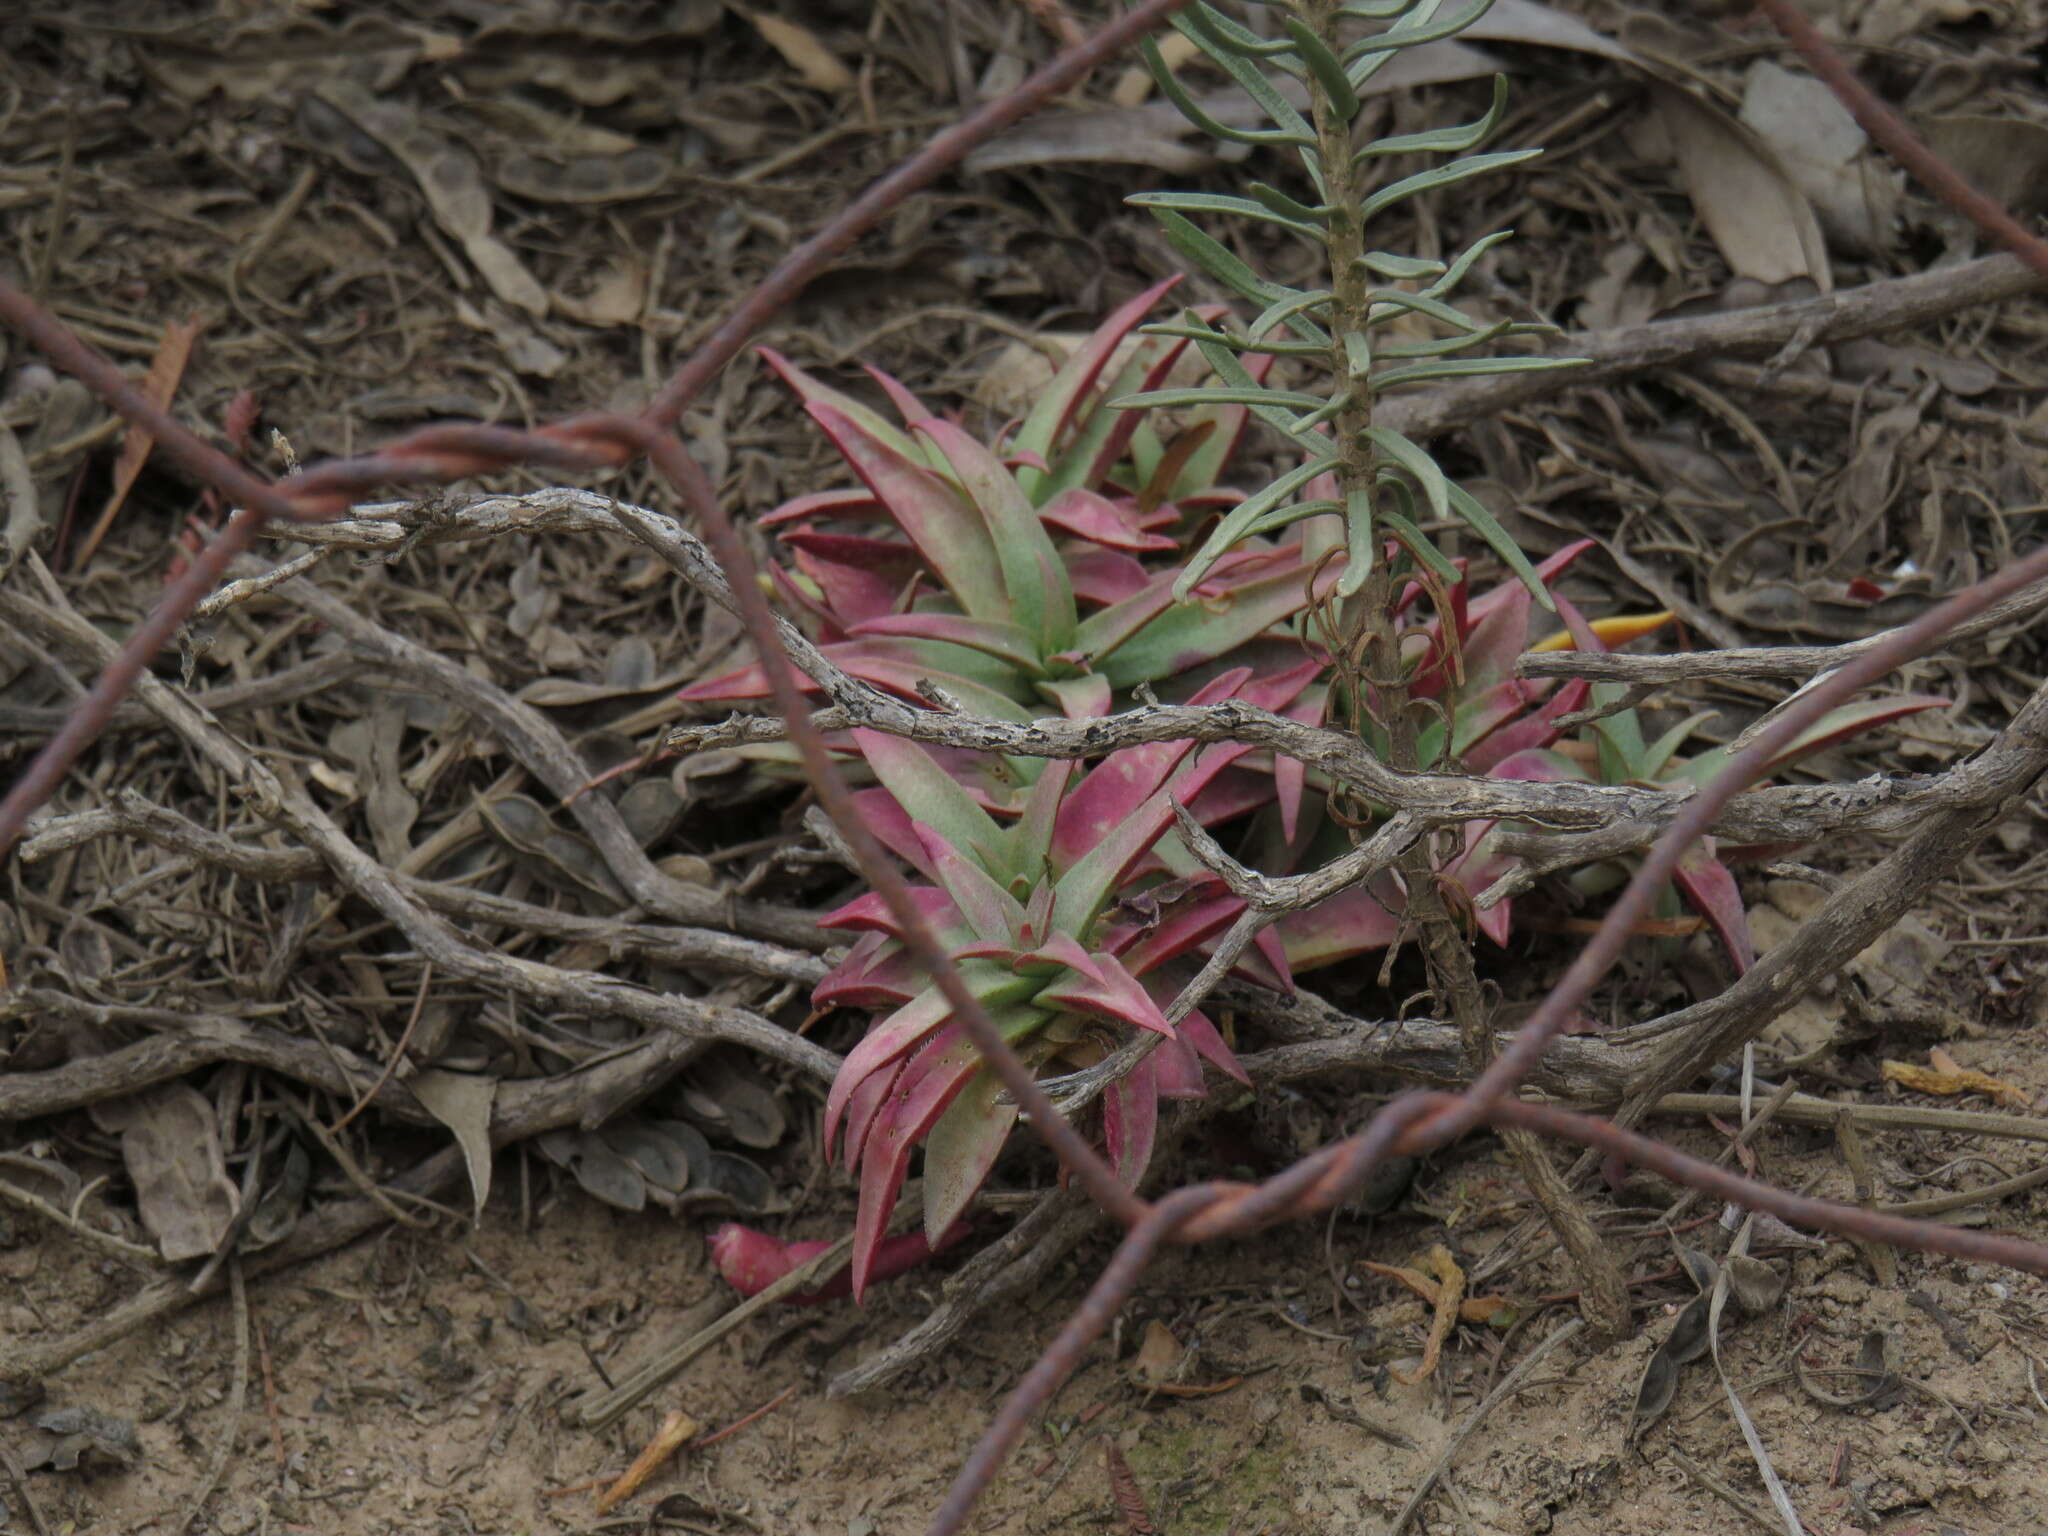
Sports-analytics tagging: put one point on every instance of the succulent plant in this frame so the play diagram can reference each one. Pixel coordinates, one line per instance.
(1063, 923)
(1617, 750)
(1016, 578)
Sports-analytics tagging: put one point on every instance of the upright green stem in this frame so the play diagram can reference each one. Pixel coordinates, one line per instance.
(1445, 947)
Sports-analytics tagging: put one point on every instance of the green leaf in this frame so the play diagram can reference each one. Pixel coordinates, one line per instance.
(1220, 263)
(1366, 57)
(1170, 87)
(1487, 526)
(1236, 343)
(1468, 367)
(1389, 303)
(1361, 552)
(1218, 202)
(1211, 394)
(1212, 32)
(1237, 525)
(1041, 598)
(1326, 67)
(1453, 141)
(1442, 176)
(1224, 360)
(1416, 542)
(1287, 207)
(1401, 269)
(1454, 274)
(1292, 305)
(961, 1148)
(934, 797)
(1284, 517)
(1423, 469)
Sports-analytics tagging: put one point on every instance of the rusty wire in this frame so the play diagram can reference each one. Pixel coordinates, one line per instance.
(1413, 1122)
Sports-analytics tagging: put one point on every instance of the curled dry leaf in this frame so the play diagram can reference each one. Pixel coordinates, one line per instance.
(463, 1103)
(1952, 1080)
(1450, 1292)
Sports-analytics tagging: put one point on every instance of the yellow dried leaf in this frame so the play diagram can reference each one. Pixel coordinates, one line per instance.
(1950, 1083)
(1450, 1292)
(1614, 631)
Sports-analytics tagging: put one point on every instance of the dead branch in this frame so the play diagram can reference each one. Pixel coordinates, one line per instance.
(276, 797)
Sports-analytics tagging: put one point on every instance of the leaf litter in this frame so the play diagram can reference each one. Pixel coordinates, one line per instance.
(560, 143)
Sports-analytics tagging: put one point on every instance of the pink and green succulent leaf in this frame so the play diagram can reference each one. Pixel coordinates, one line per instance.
(1204, 467)
(1709, 889)
(1106, 577)
(1179, 1070)
(1063, 952)
(962, 1147)
(1103, 437)
(846, 503)
(1086, 697)
(869, 914)
(812, 392)
(1183, 635)
(1130, 1120)
(878, 973)
(908, 406)
(1033, 838)
(1835, 726)
(1179, 931)
(1041, 601)
(1657, 756)
(999, 638)
(1092, 516)
(857, 578)
(750, 1261)
(930, 1082)
(1113, 994)
(1349, 923)
(936, 516)
(1055, 409)
(908, 773)
(1535, 729)
(992, 912)
(862, 1104)
(995, 986)
(1209, 1045)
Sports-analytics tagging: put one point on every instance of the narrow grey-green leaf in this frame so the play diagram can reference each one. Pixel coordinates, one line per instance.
(1237, 525)
(1174, 399)
(1469, 367)
(1207, 29)
(1417, 543)
(1288, 207)
(1327, 68)
(1365, 57)
(1447, 141)
(1220, 202)
(1203, 250)
(1360, 552)
(1401, 269)
(1416, 460)
(1442, 176)
(1285, 310)
(1170, 87)
(1454, 274)
(1487, 526)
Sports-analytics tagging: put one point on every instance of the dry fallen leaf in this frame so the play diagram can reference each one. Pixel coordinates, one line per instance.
(1951, 1080)
(1762, 222)
(1450, 1291)
(159, 386)
(675, 1429)
(800, 48)
(1158, 1356)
